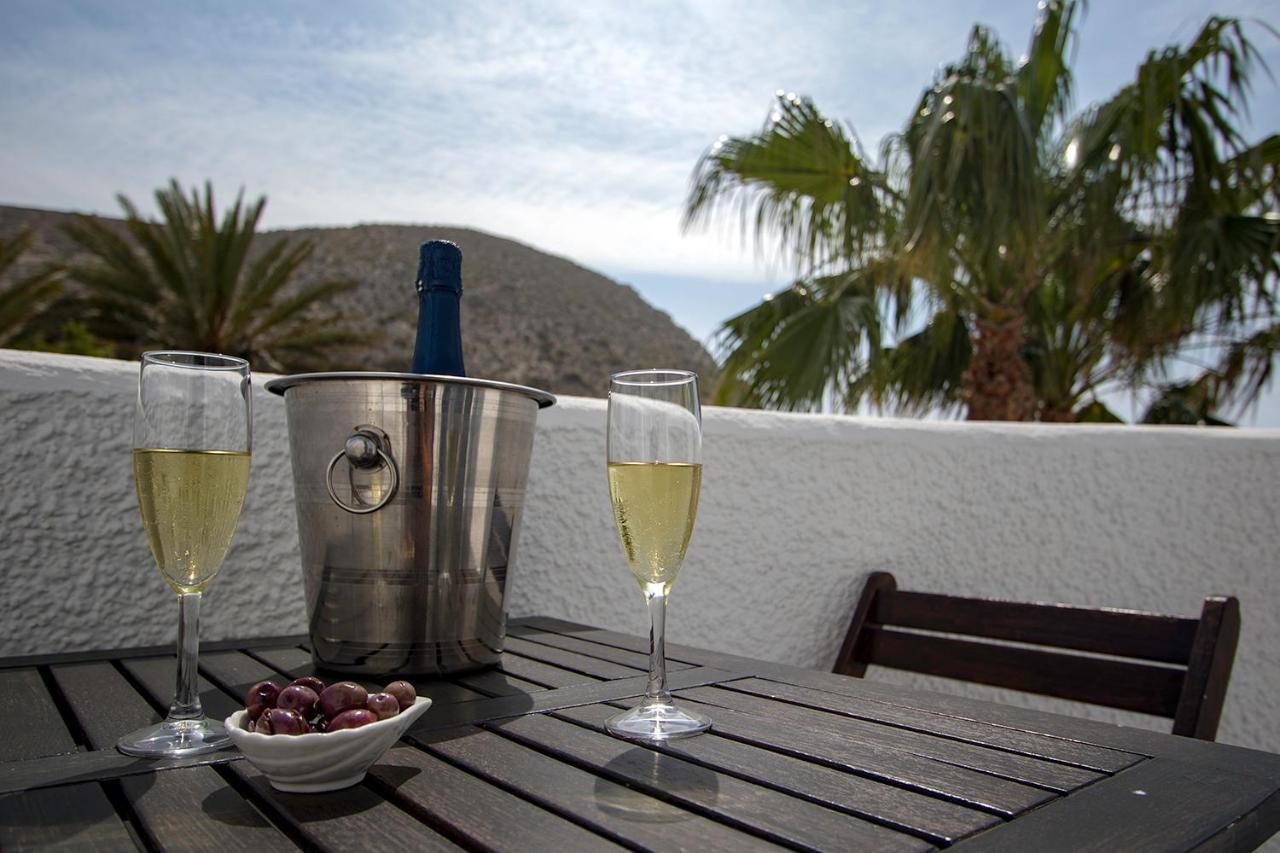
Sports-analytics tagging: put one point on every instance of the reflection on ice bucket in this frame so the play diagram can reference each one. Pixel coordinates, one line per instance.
(409, 492)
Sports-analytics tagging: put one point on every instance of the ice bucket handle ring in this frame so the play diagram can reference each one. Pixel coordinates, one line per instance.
(365, 449)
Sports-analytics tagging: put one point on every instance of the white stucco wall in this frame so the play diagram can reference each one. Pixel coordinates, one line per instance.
(795, 511)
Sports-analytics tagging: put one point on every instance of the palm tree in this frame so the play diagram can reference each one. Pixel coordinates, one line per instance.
(194, 282)
(1003, 256)
(23, 302)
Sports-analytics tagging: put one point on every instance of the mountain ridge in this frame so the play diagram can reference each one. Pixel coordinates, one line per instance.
(528, 316)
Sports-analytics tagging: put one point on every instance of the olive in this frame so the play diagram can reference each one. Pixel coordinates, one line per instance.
(352, 718)
(309, 681)
(383, 704)
(338, 697)
(260, 697)
(298, 698)
(279, 721)
(403, 691)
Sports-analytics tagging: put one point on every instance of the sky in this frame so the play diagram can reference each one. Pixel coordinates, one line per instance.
(572, 126)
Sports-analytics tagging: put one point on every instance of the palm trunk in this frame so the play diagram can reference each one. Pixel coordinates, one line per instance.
(997, 383)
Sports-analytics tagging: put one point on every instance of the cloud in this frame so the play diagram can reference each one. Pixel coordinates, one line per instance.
(572, 126)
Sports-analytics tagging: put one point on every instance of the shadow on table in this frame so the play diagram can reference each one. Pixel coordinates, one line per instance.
(655, 775)
(226, 806)
(71, 817)
(320, 806)
(393, 775)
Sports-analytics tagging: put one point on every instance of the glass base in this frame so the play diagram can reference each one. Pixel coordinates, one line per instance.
(658, 722)
(175, 738)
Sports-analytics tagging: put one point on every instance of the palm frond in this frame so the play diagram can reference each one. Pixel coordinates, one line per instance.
(293, 308)
(194, 279)
(269, 274)
(1193, 403)
(1173, 128)
(1247, 367)
(803, 181)
(25, 299)
(920, 373)
(976, 192)
(1044, 77)
(800, 348)
(1106, 244)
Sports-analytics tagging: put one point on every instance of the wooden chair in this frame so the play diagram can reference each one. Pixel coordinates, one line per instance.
(1170, 666)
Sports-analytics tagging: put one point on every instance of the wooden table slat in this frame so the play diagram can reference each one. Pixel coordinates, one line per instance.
(147, 651)
(72, 817)
(605, 637)
(1156, 805)
(156, 676)
(448, 716)
(105, 704)
(355, 818)
(927, 775)
(237, 672)
(1010, 720)
(543, 673)
(753, 807)
(475, 811)
(193, 809)
(1020, 768)
(636, 660)
(291, 660)
(100, 765)
(593, 666)
(929, 817)
(613, 809)
(1097, 740)
(296, 663)
(516, 758)
(496, 683)
(981, 734)
(24, 697)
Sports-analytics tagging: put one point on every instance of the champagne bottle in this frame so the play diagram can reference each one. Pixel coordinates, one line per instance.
(438, 349)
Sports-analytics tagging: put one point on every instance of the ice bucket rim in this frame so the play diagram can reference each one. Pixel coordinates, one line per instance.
(283, 383)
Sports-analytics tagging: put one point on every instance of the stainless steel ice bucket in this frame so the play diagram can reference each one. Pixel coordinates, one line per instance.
(409, 491)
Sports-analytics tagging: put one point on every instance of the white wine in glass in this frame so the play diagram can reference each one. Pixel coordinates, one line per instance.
(190, 502)
(655, 477)
(655, 505)
(191, 444)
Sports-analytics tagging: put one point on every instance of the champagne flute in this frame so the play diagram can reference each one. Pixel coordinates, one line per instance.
(655, 474)
(191, 441)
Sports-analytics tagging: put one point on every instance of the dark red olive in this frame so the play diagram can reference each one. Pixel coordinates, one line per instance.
(338, 697)
(260, 697)
(352, 718)
(298, 698)
(278, 721)
(383, 704)
(403, 691)
(309, 681)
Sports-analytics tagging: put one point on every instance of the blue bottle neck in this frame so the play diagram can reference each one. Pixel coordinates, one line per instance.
(438, 349)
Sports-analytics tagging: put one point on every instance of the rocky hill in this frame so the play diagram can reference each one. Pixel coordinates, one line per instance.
(527, 316)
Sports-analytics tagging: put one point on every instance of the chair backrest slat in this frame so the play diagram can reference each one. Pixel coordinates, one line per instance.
(1125, 633)
(1117, 683)
(1170, 666)
(1205, 691)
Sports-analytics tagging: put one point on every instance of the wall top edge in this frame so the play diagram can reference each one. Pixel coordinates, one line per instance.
(37, 371)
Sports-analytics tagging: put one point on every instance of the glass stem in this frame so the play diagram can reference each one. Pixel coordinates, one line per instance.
(186, 697)
(656, 692)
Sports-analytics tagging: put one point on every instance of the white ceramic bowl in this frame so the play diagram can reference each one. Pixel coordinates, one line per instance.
(321, 762)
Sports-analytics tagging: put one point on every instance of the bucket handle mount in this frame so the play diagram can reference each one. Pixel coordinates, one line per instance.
(365, 449)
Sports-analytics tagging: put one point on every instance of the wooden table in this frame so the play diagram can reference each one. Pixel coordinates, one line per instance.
(515, 759)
